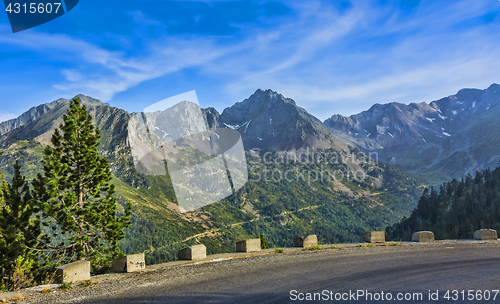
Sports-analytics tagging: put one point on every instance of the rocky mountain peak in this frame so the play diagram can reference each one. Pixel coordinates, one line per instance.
(35, 112)
(422, 136)
(89, 101)
(267, 119)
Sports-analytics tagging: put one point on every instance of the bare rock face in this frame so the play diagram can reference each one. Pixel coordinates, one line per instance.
(269, 120)
(36, 112)
(460, 129)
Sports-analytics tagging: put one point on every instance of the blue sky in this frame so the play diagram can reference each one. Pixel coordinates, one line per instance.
(331, 57)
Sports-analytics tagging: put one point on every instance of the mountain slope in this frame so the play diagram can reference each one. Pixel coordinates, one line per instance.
(444, 139)
(456, 210)
(269, 120)
(337, 209)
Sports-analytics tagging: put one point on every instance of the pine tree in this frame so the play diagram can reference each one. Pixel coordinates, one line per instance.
(19, 230)
(76, 195)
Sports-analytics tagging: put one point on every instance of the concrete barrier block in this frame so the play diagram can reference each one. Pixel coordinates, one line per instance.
(129, 263)
(374, 237)
(486, 234)
(248, 245)
(196, 252)
(73, 272)
(310, 240)
(423, 236)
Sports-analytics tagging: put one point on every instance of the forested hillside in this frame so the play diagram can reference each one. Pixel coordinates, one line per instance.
(283, 205)
(282, 199)
(456, 210)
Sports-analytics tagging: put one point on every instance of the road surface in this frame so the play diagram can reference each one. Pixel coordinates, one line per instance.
(414, 272)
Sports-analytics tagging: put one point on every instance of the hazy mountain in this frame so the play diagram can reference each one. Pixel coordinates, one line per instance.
(444, 139)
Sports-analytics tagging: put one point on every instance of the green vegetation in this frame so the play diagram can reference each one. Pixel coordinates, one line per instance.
(456, 210)
(337, 211)
(366, 245)
(71, 213)
(87, 283)
(66, 285)
(18, 233)
(263, 242)
(313, 248)
(279, 250)
(75, 195)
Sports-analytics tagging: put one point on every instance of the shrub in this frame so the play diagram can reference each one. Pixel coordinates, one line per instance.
(22, 276)
(66, 285)
(313, 248)
(263, 242)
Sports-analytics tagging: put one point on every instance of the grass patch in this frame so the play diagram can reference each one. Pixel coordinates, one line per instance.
(66, 286)
(17, 298)
(46, 290)
(87, 283)
(279, 250)
(313, 248)
(366, 245)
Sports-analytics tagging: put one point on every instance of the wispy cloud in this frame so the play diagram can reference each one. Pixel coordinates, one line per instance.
(103, 73)
(374, 55)
(329, 59)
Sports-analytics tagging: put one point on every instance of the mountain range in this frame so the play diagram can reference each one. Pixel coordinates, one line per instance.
(444, 139)
(432, 141)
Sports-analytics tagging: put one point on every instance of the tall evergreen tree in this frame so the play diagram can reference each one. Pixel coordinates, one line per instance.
(19, 228)
(76, 195)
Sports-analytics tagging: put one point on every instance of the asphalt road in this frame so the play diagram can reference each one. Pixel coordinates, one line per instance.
(406, 271)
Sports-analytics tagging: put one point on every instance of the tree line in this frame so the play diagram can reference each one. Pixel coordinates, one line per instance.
(456, 210)
(67, 213)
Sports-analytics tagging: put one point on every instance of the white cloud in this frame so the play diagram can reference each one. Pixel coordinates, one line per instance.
(103, 73)
(425, 58)
(329, 62)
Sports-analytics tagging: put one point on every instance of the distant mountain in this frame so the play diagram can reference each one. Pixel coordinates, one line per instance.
(268, 120)
(35, 112)
(447, 138)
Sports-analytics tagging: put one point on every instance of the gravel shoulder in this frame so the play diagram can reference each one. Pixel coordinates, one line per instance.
(225, 268)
